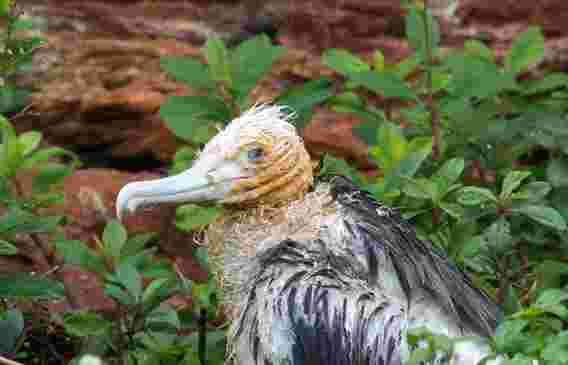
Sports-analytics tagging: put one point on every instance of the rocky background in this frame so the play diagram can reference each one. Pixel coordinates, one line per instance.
(98, 85)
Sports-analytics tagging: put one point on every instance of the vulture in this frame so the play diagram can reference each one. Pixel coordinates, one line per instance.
(319, 274)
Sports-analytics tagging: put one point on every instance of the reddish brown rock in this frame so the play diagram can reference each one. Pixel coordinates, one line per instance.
(99, 84)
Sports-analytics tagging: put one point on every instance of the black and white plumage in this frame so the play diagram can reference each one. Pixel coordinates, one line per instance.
(327, 302)
(328, 277)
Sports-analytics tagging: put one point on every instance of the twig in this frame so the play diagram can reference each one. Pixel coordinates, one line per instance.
(5, 361)
(202, 346)
(430, 104)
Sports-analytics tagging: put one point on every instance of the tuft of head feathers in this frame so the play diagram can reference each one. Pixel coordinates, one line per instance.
(282, 174)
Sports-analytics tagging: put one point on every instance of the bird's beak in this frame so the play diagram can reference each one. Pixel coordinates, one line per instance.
(191, 186)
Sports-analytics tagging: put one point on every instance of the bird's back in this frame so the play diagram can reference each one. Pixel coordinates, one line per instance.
(346, 288)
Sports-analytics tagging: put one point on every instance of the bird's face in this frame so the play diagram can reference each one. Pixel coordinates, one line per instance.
(257, 159)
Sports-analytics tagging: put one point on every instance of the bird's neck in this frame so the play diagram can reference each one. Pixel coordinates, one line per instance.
(239, 235)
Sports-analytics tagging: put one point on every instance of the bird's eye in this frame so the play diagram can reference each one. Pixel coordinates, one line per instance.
(255, 154)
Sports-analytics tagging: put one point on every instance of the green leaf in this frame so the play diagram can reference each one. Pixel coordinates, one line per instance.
(7, 248)
(420, 188)
(344, 62)
(201, 292)
(22, 24)
(183, 160)
(391, 146)
(509, 336)
(473, 195)
(26, 285)
(188, 70)
(202, 257)
(448, 174)
(551, 300)
(183, 115)
(511, 182)
(416, 30)
(130, 279)
(408, 166)
(251, 61)
(454, 210)
(479, 49)
(544, 215)
(49, 175)
(366, 131)
(11, 328)
(534, 191)
(476, 77)
(303, 98)
(557, 172)
(511, 303)
(385, 83)
(39, 157)
(546, 84)
(118, 293)
(191, 216)
(29, 141)
(408, 65)
(332, 166)
(18, 221)
(77, 253)
(556, 351)
(218, 60)
(12, 99)
(5, 6)
(84, 324)
(134, 245)
(114, 238)
(528, 49)
(10, 149)
(163, 318)
(153, 288)
(378, 61)
(158, 291)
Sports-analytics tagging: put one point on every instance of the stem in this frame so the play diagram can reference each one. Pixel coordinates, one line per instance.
(202, 347)
(503, 281)
(430, 103)
(48, 257)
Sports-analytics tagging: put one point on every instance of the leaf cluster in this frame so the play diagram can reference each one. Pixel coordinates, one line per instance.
(16, 51)
(459, 158)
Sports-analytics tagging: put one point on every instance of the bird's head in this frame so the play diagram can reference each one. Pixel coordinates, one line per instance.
(258, 159)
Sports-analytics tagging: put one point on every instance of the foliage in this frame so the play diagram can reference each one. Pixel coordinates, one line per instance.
(497, 216)
(143, 327)
(226, 82)
(16, 52)
(476, 158)
(459, 159)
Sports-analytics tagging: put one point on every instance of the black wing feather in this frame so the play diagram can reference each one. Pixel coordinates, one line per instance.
(418, 264)
(314, 309)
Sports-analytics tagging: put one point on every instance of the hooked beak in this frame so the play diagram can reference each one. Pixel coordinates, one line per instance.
(191, 186)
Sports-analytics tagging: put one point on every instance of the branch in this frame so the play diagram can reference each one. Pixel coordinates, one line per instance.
(430, 104)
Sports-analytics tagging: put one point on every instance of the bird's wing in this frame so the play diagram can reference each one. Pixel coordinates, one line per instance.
(304, 306)
(380, 239)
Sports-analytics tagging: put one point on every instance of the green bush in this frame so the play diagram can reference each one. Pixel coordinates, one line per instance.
(476, 158)
(464, 169)
(15, 55)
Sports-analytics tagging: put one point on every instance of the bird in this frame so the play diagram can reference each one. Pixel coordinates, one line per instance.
(317, 273)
